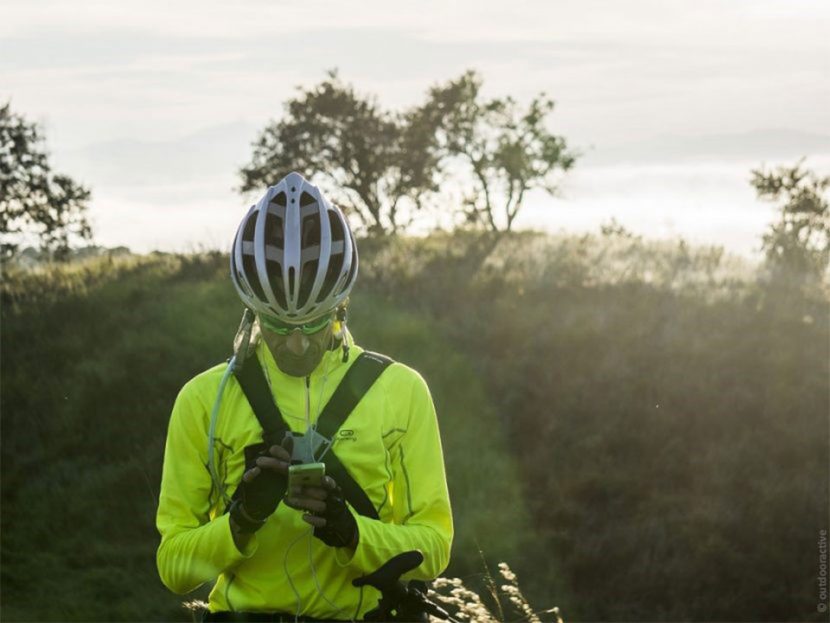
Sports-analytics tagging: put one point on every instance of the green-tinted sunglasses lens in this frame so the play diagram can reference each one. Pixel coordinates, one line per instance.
(283, 328)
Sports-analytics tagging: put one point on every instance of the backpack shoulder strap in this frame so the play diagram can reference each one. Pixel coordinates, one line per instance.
(252, 381)
(359, 378)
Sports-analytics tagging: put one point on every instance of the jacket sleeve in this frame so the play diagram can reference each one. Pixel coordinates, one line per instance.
(194, 549)
(422, 517)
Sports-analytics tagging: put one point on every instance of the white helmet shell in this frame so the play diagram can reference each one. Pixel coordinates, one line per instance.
(294, 256)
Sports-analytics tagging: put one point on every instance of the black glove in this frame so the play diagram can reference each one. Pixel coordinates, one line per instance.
(258, 498)
(341, 527)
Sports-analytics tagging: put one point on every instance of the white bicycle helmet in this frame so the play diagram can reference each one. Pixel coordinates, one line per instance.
(294, 256)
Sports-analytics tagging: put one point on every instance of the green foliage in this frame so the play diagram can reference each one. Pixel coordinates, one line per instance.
(89, 378)
(507, 149)
(32, 198)
(372, 161)
(628, 424)
(797, 245)
(670, 428)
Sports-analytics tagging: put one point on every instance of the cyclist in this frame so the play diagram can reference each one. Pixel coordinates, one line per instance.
(225, 511)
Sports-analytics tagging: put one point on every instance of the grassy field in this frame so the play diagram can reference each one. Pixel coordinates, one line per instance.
(640, 430)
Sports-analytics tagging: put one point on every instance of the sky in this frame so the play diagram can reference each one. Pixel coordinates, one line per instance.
(154, 105)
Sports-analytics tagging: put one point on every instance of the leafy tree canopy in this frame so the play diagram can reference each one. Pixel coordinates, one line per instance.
(507, 149)
(371, 161)
(33, 200)
(797, 245)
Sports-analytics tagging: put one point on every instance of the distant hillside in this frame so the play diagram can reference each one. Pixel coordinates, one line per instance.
(772, 145)
(214, 152)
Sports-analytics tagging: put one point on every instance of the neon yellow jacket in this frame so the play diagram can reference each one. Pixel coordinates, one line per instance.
(391, 446)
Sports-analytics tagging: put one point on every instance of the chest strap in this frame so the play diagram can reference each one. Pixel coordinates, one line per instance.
(358, 379)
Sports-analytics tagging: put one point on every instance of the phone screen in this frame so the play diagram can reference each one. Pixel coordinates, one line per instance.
(306, 475)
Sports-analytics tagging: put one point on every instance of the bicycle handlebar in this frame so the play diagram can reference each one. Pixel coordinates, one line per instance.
(399, 602)
(387, 576)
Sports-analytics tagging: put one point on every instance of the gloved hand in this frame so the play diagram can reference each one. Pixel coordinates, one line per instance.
(263, 485)
(333, 522)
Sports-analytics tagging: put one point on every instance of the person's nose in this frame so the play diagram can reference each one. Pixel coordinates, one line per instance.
(297, 343)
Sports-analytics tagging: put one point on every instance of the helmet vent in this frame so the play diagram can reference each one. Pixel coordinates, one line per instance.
(311, 231)
(274, 230)
(280, 199)
(308, 272)
(275, 281)
(291, 278)
(306, 199)
(332, 276)
(249, 266)
(250, 226)
(337, 232)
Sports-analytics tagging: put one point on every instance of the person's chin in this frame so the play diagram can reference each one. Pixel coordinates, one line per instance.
(297, 366)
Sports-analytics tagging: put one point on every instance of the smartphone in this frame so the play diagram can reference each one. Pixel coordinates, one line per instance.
(306, 475)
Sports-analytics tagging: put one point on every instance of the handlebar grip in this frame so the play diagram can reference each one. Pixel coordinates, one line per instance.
(386, 576)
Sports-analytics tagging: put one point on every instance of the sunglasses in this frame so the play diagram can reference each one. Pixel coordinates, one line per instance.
(279, 327)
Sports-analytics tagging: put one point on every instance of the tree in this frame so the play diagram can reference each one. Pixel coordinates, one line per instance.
(33, 200)
(797, 245)
(507, 149)
(372, 162)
